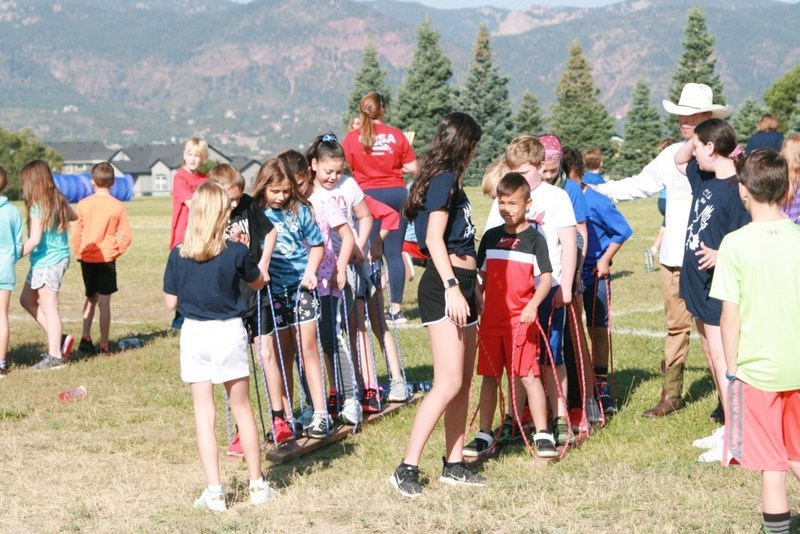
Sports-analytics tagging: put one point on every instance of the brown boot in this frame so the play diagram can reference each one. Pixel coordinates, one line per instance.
(664, 407)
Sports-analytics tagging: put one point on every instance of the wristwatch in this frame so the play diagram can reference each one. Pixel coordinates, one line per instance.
(452, 282)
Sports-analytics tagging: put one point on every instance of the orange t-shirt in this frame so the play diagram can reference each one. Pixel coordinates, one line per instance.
(102, 232)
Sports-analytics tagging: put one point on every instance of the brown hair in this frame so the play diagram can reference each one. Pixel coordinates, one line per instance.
(664, 143)
(275, 171)
(372, 107)
(768, 123)
(39, 189)
(791, 153)
(226, 175)
(3, 179)
(593, 159)
(103, 175)
(524, 149)
(511, 183)
(764, 173)
(572, 160)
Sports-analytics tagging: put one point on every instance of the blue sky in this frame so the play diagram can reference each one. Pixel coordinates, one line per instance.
(512, 4)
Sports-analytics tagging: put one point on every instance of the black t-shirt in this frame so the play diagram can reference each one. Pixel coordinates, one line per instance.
(249, 219)
(209, 290)
(459, 234)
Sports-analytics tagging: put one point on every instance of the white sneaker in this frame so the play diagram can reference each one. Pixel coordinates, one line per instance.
(714, 454)
(261, 492)
(214, 501)
(351, 412)
(708, 442)
(320, 427)
(398, 392)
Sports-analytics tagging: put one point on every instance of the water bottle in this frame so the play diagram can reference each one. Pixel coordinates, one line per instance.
(424, 386)
(73, 394)
(130, 343)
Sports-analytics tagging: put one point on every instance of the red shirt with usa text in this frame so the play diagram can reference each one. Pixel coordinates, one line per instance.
(512, 264)
(381, 167)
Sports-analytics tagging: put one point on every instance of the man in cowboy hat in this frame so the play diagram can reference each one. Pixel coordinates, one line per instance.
(695, 105)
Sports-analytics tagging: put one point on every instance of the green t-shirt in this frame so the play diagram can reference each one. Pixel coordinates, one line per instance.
(758, 268)
(54, 246)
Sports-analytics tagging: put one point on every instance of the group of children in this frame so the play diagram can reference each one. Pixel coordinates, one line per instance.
(100, 235)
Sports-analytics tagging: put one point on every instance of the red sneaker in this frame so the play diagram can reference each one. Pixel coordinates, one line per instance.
(281, 431)
(235, 448)
(369, 401)
(67, 342)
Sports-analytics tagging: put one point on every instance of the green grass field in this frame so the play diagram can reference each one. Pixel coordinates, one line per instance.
(124, 458)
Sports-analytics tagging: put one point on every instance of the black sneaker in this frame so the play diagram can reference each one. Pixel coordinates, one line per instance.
(396, 318)
(3, 371)
(545, 445)
(606, 400)
(86, 346)
(49, 362)
(406, 480)
(718, 415)
(482, 445)
(459, 474)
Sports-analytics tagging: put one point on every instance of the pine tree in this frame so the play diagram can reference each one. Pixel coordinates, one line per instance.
(783, 97)
(578, 117)
(424, 97)
(642, 133)
(696, 64)
(529, 119)
(485, 98)
(745, 120)
(371, 77)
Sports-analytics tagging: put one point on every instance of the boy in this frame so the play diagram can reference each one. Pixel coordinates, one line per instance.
(248, 225)
(593, 160)
(552, 215)
(186, 180)
(515, 269)
(102, 234)
(757, 278)
(608, 230)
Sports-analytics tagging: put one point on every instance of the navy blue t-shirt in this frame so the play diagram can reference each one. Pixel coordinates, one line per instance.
(209, 290)
(716, 211)
(459, 234)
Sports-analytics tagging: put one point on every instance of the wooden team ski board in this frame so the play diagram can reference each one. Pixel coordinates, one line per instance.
(303, 446)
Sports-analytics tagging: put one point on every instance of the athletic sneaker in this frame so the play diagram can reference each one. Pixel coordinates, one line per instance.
(606, 400)
(398, 391)
(561, 431)
(545, 445)
(104, 349)
(482, 445)
(281, 432)
(261, 492)
(320, 427)
(235, 448)
(592, 411)
(508, 433)
(370, 402)
(214, 501)
(67, 342)
(351, 412)
(708, 442)
(459, 474)
(86, 346)
(396, 318)
(49, 362)
(714, 454)
(406, 480)
(334, 404)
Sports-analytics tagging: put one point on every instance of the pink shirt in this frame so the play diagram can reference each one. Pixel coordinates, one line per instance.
(329, 217)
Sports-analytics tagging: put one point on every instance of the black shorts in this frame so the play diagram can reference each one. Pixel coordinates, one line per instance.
(99, 278)
(431, 295)
(252, 316)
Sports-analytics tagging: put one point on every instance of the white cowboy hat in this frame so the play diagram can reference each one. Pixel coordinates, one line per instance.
(696, 98)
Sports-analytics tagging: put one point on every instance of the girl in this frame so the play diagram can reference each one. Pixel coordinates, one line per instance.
(447, 298)
(716, 210)
(293, 277)
(10, 251)
(49, 215)
(791, 151)
(202, 280)
(379, 154)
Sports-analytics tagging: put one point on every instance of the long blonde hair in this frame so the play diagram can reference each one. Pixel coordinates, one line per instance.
(791, 153)
(208, 220)
(39, 189)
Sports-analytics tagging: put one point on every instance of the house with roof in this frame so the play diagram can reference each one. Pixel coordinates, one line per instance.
(81, 156)
(248, 167)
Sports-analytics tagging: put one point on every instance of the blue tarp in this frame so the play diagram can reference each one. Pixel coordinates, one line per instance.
(76, 187)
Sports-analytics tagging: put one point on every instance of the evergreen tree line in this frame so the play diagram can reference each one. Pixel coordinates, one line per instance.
(577, 116)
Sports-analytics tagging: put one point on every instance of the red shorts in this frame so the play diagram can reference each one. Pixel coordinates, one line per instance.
(498, 353)
(413, 249)
(762, 428)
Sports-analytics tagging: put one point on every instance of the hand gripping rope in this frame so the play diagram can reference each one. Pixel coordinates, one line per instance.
(287, 409)
(373, 372)
(376, 266)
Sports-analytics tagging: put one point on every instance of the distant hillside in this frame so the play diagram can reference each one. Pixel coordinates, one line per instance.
(267, 75)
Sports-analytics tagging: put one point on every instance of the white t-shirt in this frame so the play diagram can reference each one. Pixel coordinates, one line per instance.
(550, 210)
(345, 194)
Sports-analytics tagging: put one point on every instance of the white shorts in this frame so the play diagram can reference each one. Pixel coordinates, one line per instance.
(49, 275)
(214, 351)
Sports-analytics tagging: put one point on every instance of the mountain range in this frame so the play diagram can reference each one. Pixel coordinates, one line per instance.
(267, 75)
